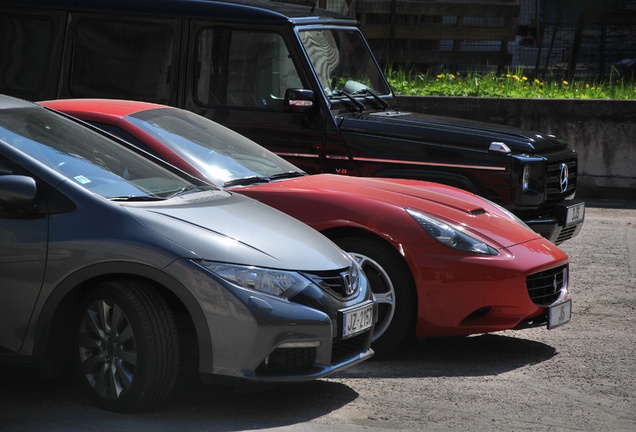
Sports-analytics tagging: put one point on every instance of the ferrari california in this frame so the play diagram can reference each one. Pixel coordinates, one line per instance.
(441, 261)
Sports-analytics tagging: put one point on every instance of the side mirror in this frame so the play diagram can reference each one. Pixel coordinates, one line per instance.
(299, 100)
(17, 191)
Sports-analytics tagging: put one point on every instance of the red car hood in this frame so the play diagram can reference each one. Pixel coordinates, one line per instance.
(306, 196)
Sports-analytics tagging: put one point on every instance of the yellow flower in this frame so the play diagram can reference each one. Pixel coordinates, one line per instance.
(524, 79)
(565, 83)
(452, 76)
(440, 76)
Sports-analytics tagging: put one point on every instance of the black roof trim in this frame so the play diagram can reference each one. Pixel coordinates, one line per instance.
(233, 10)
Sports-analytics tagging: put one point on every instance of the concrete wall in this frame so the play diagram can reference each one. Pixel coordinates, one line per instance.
(603, 132)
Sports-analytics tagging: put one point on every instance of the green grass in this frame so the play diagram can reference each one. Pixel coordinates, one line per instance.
(509, 85)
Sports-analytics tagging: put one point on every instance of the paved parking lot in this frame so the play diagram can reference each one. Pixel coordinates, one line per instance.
(580, 377)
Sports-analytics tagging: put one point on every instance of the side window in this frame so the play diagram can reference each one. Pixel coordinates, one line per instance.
(26, 44)
(123, 59)
(8, 167)
(243, 68)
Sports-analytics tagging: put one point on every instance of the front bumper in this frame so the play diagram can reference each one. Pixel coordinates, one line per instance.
(258, 338)
(460, 294)
(557, 229)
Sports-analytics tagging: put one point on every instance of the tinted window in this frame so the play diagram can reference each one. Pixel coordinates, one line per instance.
(123, 59)
(243, 68)
(25, 47)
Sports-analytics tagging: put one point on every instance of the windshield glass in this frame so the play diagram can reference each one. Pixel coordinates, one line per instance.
(89, 159)
(340, 56)
(215, 151)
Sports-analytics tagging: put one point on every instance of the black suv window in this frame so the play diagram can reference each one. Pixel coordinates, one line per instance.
(123, 59)
(243, 68)
(26, 46)
(340, 56)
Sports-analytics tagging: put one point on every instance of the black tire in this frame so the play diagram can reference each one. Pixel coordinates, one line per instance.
(127, 346)
(392, 284)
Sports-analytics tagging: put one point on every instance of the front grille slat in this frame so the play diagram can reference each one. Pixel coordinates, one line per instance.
(298, 360)
(344, 348)
(553, 183)
(342, 283)
(546, 287)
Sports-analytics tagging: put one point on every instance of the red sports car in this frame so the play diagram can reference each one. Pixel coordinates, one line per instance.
(441, 261)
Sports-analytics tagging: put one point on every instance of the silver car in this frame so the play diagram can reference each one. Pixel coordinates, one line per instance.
(122, 266)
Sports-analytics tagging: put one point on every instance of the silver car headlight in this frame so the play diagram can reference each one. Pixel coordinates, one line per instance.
(450, 236)
(269, 281)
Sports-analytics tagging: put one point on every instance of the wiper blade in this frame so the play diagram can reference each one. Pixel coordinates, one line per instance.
(368, 91)
(136, 198)
(182, 191)
(357, 103)
(246, 181)
(288, 174)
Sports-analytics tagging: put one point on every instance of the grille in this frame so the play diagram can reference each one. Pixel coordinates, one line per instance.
(336, 281)
(553, 182)
(565, 234)
(546, 287)
(288, 360)
(343, 349)
(285, 360)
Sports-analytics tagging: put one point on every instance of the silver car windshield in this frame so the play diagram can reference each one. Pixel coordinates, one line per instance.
(86, 157)
(339, 57)
(222, 155)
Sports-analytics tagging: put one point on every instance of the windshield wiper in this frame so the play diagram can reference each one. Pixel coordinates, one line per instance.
(136, 198)
(246, 181)
(288, 174)
(182, 191)
(357, 103)
(367, 91)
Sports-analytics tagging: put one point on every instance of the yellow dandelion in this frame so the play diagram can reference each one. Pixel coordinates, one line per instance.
(440, 76)
(565, 83)
(524, 79)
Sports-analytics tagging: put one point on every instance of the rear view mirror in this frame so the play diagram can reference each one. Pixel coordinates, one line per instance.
(17, 191)
(299, 100)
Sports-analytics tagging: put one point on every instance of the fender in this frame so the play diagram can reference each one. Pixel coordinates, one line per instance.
(60, 302)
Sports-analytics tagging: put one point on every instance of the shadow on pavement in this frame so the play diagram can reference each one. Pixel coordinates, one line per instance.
(480, 355)
(27, 402)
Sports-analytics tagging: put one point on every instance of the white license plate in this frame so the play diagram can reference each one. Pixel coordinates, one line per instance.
(575, 214)
(356, 320)
(559, 314)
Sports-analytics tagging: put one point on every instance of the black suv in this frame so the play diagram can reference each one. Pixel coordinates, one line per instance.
(300, 81)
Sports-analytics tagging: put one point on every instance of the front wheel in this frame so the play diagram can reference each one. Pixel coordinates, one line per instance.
(392, 285)
(127, 346)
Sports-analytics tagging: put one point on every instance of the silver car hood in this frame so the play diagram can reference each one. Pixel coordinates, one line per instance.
(228, 227)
